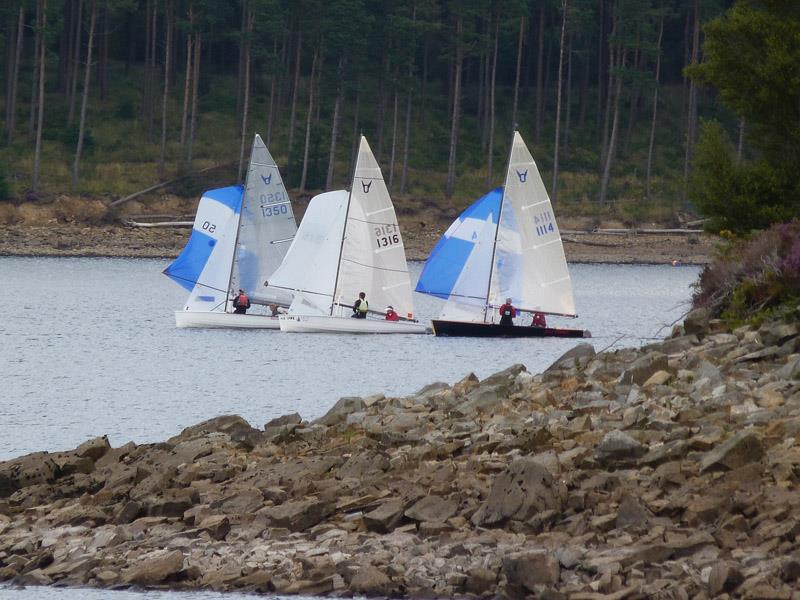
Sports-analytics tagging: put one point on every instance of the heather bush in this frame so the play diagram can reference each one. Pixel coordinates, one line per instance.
(754, 278)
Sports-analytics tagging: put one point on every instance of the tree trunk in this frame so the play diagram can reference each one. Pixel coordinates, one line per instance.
(35, 81)
(567, 119)
(198, 42)
(381, 107)
(655, 108)
(609, 85)
(271, 110)
(451, 161)
(295, 85)
(492, 91)
(406, 139)
(102, 68)
(187, 81)
(248, 32)
(162, 157)
(539, 94)
(554, 190)
(73, 84)
(691, 124)
(600, 64)
(309, 115)
(519, 67)
(87, 78)
(740, 143)
(335, 128)
(151, 74)
(64, 46)
(41, 6)
(584, 91)
(356, 134)
(11, 119)
(424, 84)
(634, 102)
(394, 140)
(242, 51)
(613, 139)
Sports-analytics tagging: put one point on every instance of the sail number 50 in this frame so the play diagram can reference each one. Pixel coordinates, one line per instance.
(209, 227)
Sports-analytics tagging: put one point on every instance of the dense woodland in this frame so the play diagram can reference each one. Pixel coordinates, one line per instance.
(103, 97)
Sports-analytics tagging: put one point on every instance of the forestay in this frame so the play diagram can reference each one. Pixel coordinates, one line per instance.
(203, 267)
(373, 258)
(309, 267)
(266, 228)
(529, 263)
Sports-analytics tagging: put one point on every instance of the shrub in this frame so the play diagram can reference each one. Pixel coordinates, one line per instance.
(69, 137)
(5, 188)
(754, 278)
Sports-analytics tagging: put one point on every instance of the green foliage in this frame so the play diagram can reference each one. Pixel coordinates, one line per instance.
(5, 188)
(69, 137)
(126, 108)
(754, 278)
(738, 197)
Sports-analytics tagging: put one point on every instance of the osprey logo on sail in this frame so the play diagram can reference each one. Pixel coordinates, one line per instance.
(523, 177)
(365, 186)
(267, 179)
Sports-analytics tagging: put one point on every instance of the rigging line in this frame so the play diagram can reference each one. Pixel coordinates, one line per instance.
(291, 289)
(349, 218)
(449, 295)
(195, 282)
(372, 267)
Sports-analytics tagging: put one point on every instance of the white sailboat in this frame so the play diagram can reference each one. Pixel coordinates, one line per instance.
(505, 245)
(239, 238)
(348, 242)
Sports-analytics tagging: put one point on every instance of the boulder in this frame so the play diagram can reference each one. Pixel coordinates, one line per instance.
(156, 568)
(632, 514)
(432, 508)
(641, 369)
(343, 407)
(94, 449)
(617, 445)
(217, 526)
(570, 358)
(742, 448)
(386, 517)
(297, 515)
(227, 424)
(523, 489)
(696, 322)
(28, 470)
(724, 577)
(531, 569)
(371, 581)
(479, 581)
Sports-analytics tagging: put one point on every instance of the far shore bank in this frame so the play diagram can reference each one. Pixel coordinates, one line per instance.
(79, 240)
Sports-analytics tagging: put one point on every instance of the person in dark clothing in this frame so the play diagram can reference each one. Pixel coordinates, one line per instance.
(241, 303)
(360, 307)
(507, 313)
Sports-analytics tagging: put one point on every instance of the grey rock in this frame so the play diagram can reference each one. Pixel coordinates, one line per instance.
(432, 508)
(480, 580)
(644, 367)
(632, 514)
(571, 356)
(619, 446)
(158, 567)
(343, 407)
(278, 422)
(32, 469)
(94, 449)
(217, 526)
(742, 448)
(696, 322)
(297, 515)
(724, 577)
(386, 517)
(371, 581)
(531, 570)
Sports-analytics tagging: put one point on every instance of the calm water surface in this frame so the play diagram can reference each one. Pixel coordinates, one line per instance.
(89, 347)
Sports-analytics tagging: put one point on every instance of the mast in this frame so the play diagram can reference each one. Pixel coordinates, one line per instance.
(344, 230)
(238, 227)
(497, 231)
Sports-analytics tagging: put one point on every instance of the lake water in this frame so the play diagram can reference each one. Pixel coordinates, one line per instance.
(89, 347)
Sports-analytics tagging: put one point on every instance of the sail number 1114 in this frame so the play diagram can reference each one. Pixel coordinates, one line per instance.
(544, 223)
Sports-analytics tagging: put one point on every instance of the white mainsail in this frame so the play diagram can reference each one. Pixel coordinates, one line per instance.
(266, 228)
(373, 257)
(529, 263)
(308, 270)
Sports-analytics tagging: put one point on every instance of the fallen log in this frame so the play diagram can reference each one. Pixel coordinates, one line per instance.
(129, 223)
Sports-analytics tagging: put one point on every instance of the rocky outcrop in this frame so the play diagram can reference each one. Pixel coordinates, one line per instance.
(671, 471)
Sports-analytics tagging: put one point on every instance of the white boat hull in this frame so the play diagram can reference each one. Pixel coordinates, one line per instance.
(322, 324)
(222, 320)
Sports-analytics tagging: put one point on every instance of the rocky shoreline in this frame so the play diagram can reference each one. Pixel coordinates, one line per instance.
(669, 471)
(117, 241)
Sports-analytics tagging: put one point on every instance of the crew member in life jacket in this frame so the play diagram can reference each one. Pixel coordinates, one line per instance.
(391, 315)
(360, 306)
(507, 313)
(241, 302)
(538, 320)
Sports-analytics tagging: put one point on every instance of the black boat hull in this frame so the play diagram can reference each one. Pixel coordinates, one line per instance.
(465, 329)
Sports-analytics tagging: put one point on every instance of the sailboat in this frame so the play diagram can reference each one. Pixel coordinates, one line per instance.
(239, 238)
(347, 243)
(505, 245)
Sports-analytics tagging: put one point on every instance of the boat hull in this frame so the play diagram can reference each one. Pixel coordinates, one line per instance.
(222, 320)
(323, 324)
(466, 329)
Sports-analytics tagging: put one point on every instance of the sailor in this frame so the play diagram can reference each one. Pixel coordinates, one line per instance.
(360, 306)
(241, 303)
(391, 315)
(538, 320)
(507, 313)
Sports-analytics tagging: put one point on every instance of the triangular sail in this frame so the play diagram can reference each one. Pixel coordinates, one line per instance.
(459, 266)
(373, 258)
(266, 228)
(308, 271)
(529, 264)
(203, 266)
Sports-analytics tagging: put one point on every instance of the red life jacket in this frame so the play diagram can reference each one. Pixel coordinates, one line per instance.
(539, 320)
(508, 310)
(242, 300)
(392, 316)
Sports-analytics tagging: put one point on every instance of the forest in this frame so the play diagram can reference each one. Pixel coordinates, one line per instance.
(105, 97)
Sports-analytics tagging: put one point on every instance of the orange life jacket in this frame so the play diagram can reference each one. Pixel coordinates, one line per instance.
(242, 300)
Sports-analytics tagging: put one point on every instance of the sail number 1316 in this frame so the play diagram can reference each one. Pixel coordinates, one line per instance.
(387, 235)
